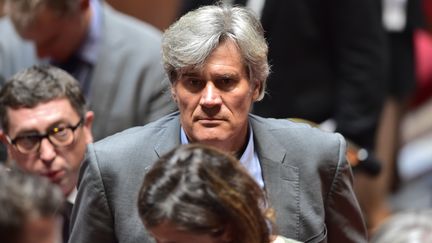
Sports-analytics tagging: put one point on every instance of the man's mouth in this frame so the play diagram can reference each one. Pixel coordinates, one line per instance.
(55, 176)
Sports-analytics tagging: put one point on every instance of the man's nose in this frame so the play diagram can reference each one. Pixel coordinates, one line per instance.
(47, 152)
(210, 95)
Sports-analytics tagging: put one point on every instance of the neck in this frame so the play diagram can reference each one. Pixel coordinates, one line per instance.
(238, 154)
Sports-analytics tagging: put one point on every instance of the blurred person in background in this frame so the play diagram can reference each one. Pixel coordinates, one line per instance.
(46, 127)
(30, 210)
(115, 57)
(400, 19)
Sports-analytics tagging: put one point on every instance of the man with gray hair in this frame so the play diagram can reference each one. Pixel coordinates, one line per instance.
(30, 209)
(216, 60)
(46, 127)
(115, 57)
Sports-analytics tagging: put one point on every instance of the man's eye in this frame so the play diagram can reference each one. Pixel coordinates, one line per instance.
(59, 131)
(194, 84)
(226, 83)
(28, 141)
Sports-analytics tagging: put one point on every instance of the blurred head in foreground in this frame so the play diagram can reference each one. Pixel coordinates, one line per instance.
(199, 194)
(30, 210)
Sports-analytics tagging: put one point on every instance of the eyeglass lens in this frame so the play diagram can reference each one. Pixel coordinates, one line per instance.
(58, 136)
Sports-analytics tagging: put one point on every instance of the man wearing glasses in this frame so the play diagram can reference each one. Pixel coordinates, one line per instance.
(46, 126)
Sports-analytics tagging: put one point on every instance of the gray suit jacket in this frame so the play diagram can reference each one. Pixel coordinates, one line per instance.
(128, 84)
(306, 177)
(15, 53)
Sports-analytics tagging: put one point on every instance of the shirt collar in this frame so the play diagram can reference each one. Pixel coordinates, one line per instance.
(249, 158)
(72, 196)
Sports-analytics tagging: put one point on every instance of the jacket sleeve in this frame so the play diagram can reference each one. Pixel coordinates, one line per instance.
(362, 66)
(91, 220)
(344, 219)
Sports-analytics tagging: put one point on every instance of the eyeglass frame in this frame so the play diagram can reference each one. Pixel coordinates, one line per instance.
(47, 136)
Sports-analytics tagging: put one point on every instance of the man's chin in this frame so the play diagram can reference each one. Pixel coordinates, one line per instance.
(218, 143)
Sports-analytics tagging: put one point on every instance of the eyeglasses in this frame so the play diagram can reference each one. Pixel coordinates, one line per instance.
(58, 136)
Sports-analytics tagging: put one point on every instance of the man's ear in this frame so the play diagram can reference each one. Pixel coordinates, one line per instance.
(173, 93)
(256, 90)
(4, 140)
(87, 126)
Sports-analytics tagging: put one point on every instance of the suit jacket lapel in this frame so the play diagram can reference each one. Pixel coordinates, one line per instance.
(281, 178)
(67, 211)
(168, 136)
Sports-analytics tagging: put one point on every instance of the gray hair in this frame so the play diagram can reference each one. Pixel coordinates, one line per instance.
(24, 196)
(191, 40)
(39, 84)
(23, 12)
(403, 227)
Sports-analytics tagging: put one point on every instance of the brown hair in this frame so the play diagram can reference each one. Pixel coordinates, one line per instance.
(205, 191)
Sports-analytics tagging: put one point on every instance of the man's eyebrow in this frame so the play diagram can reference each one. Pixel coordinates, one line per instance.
(33, 131)
(190, 75)
(27, 132)
(227, 75)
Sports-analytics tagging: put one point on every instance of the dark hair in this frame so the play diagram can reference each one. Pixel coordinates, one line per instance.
(205, 191)
(39, 84)
(22, 196)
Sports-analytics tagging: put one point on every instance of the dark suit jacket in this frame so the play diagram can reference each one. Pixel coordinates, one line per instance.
(328, 60)
(67, 211)
(306, 177)
(401, 81)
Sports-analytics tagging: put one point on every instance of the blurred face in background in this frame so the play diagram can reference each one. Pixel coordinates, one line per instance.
(56, 36)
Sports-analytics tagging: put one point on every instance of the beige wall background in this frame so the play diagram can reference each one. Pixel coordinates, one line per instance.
(160, 13)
